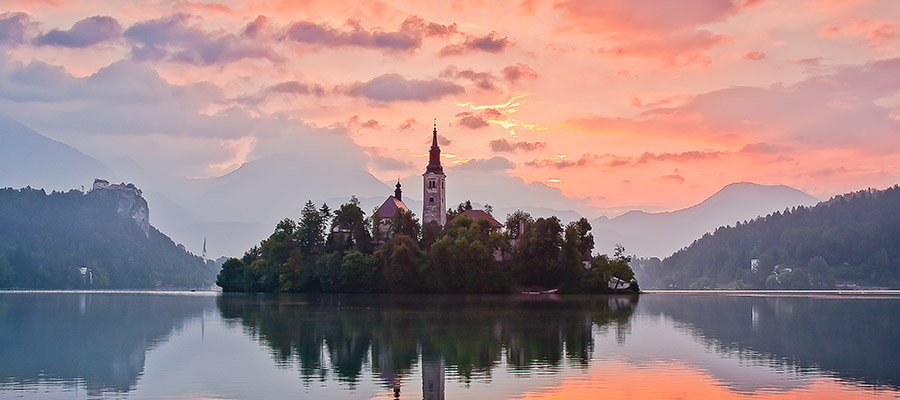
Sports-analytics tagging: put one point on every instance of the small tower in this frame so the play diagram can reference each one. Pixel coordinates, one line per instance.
(435, 198)
(398, 194)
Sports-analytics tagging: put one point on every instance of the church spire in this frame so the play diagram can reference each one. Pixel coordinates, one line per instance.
(398, 194)
(434, 155)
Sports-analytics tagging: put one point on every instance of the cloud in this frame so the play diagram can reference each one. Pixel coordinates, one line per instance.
(766, 148)
(290, 89)
(513, 73)
(390, 88)
(86, 32)
(678, 157)
(677, 178)
(355, 122)
(840, 109)
(490, 43)
(502, 145)
(485, 165)
(652, 29)
(379, 161)
(172, 38)
(755, 55)
(483, 80)
(14, 27)
(562, 163)
(127, 110)
(408, 38)
(675, 49)
(407, 125)
(647, 15)
(472, 120)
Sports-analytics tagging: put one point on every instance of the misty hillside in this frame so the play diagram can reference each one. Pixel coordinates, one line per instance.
(850, 239)
(28, 158)
(661, 234)
(44, 239)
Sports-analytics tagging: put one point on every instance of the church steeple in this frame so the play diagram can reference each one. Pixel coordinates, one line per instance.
(398, 194)
(435, 197)
(434, 154)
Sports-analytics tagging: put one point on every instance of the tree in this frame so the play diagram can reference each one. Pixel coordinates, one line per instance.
(401, 258)
(463, 259)
(405, 223)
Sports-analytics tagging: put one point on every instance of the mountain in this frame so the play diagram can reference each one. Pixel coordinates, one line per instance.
(661, 234)
(853, 239)
(28, 158)
(46, 239)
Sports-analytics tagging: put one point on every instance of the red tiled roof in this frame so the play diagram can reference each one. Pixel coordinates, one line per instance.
(390, 206)
(478, 215)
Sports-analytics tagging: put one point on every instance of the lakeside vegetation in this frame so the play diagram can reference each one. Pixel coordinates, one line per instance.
(45, 239)
(342, 250)
(850, 239)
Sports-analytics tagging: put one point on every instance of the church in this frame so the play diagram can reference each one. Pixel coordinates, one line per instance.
(434, 195)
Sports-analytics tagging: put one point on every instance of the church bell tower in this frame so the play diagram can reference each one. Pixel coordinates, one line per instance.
(435, 199)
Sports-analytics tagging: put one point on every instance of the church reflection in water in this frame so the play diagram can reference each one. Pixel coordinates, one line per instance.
(393, 335)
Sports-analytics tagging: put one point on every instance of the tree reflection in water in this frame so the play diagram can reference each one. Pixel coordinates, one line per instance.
(340, 334)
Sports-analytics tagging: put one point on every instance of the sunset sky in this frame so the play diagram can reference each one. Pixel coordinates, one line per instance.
(621, 104)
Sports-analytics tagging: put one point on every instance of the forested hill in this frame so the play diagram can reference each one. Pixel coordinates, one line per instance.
(850, 239)
(45, 239)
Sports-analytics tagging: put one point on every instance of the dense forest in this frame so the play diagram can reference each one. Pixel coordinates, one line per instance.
(850, 239)
(46, 239)
(342, 250)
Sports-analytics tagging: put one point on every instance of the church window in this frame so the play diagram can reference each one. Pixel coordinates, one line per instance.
(431, 199)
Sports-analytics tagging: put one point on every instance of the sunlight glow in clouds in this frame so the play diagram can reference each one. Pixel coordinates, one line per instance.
(657, 104)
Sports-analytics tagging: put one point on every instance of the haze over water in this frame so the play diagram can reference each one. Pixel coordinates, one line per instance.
(682, 345)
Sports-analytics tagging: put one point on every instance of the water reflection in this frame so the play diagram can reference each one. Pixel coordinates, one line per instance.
(93, 340)
(149, 346)
(854, 338)
(340, 333)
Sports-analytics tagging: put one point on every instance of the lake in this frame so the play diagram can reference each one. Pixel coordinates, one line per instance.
(172, 345)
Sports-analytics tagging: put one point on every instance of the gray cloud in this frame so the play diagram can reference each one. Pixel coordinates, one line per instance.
(14, 27)
(484, 80)
(173, 38)
(490, 43)
(288, 88)
(502, 145)
(472, 120)
(389, 88)
(86, 32)
(561, 163)
(407, 38)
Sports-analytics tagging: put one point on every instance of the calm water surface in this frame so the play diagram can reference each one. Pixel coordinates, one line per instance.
(204, 346)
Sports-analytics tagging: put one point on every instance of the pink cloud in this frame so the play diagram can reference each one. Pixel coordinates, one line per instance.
(513, 73)
(647, 15)
(755, 55)
(490, 43)
(390, 88)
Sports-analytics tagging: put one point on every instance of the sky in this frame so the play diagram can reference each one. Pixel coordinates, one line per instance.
(619, 104)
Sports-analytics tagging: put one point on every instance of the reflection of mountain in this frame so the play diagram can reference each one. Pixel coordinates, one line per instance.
(469, 335)
(856, 339)
(96, 341)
